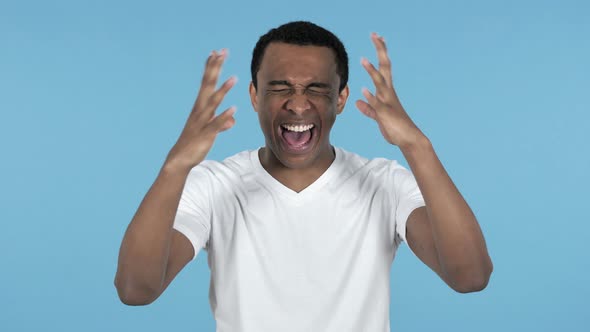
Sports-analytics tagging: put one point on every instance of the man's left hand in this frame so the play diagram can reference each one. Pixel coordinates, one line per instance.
(384, 106)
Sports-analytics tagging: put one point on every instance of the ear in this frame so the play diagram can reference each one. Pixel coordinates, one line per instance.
(342, 98)
(253, 97)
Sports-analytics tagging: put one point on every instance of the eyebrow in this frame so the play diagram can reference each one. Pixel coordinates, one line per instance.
(279, 83)
(313, 84)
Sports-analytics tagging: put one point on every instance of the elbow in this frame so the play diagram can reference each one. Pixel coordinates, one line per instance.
(472, 286)
(135, 295)
(470, 280)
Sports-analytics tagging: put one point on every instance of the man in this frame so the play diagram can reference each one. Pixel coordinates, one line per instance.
(300, 235)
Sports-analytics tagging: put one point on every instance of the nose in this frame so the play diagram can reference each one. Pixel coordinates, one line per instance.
(298, 102)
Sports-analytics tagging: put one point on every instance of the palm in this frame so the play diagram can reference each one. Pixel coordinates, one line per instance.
(384, 107)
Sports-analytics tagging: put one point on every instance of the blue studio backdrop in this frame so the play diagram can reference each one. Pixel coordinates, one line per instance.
(93, 94)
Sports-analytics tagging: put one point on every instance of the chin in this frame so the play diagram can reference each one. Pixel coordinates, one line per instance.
(295, 161)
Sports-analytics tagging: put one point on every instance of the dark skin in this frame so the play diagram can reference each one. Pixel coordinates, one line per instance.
(152, 252)
(284, 67)
(444, 234)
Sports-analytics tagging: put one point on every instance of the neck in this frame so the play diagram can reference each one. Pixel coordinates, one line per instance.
(296, 179)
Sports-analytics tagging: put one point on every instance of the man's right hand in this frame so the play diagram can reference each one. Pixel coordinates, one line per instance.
(202, 125)
(152, 253)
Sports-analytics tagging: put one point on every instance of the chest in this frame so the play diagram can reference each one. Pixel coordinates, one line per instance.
(312, 231)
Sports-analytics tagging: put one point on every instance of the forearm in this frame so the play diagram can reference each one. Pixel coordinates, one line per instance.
(144, 250)
(460, 244)
(146, 246)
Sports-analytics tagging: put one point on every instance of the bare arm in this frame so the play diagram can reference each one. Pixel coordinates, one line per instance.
(146, 246)
(445, 234)
(152, 252)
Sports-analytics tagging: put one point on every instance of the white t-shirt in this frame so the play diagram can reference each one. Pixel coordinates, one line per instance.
(317, 260)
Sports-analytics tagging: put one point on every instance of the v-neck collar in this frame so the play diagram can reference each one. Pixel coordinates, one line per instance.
(290, 194)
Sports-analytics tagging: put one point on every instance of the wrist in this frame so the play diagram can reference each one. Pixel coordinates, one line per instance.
(417, 142)
(419, 153)
(173, 166)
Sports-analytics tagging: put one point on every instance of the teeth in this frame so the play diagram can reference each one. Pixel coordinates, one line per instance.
(297, 128)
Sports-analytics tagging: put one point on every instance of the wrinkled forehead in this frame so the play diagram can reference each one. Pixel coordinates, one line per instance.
(298, 64)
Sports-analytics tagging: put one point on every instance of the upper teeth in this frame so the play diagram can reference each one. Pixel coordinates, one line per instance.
(298, 128)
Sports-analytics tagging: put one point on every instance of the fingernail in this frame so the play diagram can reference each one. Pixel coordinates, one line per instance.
(364, 61)
(233, 80)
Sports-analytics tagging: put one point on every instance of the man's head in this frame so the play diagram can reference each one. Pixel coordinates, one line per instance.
(303, 34)
(299, 85)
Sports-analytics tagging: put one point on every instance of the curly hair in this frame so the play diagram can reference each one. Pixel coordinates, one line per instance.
(302, 33)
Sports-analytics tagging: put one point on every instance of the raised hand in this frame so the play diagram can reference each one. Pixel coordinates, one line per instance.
(384, 106)
(202, 125)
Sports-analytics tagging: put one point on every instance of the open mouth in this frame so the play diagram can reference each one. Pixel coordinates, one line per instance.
(297, 138)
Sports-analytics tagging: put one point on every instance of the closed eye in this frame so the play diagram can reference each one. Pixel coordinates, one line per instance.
(319, 91)
(279, 92)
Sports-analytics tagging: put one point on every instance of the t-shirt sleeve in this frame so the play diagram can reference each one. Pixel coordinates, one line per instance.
(193, 216)
(408, 198)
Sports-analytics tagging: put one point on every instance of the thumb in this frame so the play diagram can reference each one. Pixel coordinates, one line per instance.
(366, 109)
(224, 121)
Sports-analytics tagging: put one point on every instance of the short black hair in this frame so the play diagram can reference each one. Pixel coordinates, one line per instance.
(302, 33)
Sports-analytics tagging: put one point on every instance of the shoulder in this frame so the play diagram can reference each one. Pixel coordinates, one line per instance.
(374, 173)
(230, 169)
(353, 163)
(236, 163)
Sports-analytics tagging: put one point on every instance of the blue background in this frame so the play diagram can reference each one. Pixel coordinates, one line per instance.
(94, 94)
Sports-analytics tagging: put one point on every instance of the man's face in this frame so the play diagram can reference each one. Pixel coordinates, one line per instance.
(297, 101)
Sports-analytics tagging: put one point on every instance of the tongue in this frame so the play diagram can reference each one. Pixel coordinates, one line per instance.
(294, 138)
